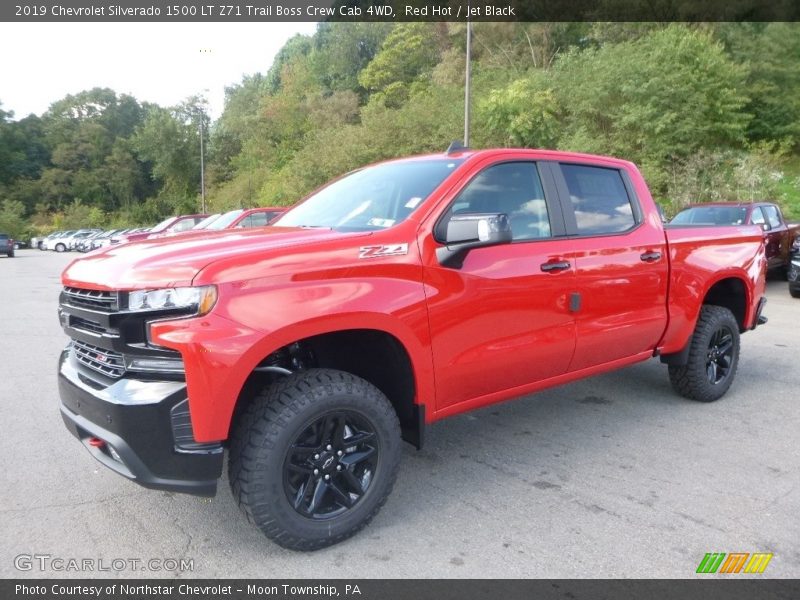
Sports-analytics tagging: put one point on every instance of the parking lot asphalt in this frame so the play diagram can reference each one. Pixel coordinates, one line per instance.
(613, 476)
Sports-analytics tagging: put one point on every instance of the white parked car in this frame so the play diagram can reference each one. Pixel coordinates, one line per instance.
(56, 241)
(73, 240)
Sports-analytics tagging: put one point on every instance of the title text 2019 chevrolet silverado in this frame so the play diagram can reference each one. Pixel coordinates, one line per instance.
(399, 294)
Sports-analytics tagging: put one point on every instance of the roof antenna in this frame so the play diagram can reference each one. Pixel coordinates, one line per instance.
(456, 146)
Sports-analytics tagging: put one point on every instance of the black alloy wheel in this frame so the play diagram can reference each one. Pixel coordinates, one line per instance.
(331, 465)
(314, 456)
(713, 356)
(719, 358)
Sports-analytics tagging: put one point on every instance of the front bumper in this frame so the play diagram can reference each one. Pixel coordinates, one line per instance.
(145, 427)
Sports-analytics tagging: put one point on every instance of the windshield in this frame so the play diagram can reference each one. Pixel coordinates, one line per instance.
(163, 225)
(226, 219)
(712, 215)
(207, 221)
(373, 198)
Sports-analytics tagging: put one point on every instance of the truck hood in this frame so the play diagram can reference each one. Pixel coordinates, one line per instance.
(175, 261)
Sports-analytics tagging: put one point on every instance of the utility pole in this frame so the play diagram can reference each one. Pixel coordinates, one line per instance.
(202, 166)
(467, 80)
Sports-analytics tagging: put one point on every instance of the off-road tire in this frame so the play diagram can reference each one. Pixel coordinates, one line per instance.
(263, 436)
(693, 380)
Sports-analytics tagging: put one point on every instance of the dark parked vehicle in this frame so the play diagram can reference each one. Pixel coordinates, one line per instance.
(6, 245)
(793, 275)
(779, 236)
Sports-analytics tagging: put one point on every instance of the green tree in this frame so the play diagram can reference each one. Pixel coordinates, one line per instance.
(655, 100)
(169, 140)
(12, 219)
(341, 50)
(526, 111)
(771, 54)
(405, 56)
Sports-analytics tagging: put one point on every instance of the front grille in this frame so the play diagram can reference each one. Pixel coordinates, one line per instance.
(87, 325)
(93, 299)
(107, 362)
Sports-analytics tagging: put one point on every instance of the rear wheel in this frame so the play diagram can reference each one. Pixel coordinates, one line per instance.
(713, 357)
(60, 247)
(314, 457)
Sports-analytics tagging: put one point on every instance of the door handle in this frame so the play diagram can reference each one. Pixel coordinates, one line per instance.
(555, 266)
(651, 256)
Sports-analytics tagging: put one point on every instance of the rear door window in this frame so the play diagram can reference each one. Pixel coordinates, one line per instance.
(599, 198)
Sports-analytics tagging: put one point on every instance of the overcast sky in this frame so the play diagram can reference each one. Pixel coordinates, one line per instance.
(156, 62)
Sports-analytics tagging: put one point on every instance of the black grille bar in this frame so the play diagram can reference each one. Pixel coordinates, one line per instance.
(94, 299)
(90, 326)
(107, 362)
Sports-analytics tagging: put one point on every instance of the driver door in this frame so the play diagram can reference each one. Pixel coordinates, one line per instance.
(502, 319)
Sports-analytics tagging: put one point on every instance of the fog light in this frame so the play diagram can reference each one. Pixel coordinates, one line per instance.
(155, 365)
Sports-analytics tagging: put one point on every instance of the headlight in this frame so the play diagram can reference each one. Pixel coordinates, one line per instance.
(200, 298)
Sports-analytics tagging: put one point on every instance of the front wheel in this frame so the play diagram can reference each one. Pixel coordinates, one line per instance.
(314, 457)
(713, 357)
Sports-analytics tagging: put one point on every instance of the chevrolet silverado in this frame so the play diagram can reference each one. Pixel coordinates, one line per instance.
(400, 294)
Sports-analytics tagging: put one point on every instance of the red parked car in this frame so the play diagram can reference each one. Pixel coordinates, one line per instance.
(779, 236)
(400, 294)
(244, 218)
(165, 227)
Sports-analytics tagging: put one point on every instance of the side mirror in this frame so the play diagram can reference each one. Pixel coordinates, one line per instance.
(468, 231)
(764, 227)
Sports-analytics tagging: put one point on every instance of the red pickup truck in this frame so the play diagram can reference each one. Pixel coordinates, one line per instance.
(397, 295)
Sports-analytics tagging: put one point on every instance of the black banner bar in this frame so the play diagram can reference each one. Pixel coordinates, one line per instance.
(711, 588)
(220, 11)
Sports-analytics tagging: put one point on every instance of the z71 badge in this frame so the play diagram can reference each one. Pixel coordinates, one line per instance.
(378, 251)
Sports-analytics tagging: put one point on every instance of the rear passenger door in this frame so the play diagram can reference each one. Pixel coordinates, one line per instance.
(621, 265)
